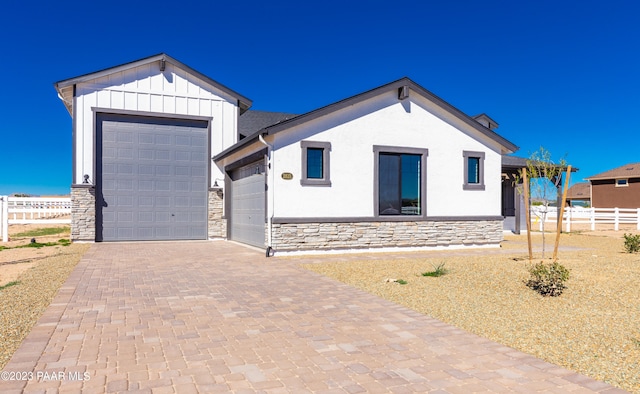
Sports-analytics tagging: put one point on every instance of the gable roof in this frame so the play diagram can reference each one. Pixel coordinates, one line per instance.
(252, 121)
(631, 170)
(65, 88)
(579, 191)
(403, 86)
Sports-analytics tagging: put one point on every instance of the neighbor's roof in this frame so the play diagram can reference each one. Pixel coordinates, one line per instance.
(397, 86)
(252, 121)
(631, 170)
(579, 191)
(65, 88)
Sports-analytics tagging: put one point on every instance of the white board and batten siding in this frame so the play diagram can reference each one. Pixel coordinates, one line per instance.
(385, 121)
(146, 89)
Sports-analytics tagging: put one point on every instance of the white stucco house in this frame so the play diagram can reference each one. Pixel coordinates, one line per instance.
(163, 152)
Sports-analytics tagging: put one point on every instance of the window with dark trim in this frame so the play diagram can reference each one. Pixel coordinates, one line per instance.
(473, 170)
(399, 181)
(315, 163)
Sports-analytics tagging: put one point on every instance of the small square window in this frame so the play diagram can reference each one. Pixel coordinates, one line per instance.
(315, 163)
(622, 182)
(473, 170)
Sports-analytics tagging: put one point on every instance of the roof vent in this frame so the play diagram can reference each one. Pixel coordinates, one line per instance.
(486, 121)
(403, 92)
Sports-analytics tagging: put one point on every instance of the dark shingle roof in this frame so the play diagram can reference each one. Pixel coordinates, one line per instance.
(631, 170)
(252, 121)
(513, 162)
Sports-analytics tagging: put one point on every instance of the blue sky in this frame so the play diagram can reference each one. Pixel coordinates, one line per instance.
(563, 75)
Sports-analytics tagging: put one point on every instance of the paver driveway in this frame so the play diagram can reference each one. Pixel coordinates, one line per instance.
(217, 317)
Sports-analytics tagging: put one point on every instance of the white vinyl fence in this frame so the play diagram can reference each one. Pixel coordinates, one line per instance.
(586, 218)
(28, 210)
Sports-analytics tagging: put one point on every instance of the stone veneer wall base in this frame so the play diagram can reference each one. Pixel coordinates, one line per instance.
(217, 224)
(83, 213)
(290, 237)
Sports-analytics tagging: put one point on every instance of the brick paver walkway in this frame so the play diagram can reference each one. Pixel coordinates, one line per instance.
(217, 317)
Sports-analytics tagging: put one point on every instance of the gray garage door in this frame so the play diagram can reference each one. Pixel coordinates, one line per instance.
(152, 179)
(248, 205)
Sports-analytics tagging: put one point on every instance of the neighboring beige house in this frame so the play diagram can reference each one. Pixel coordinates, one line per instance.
(616, 188)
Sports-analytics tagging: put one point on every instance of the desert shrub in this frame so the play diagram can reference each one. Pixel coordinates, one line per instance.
(548, 279)
(402, 281)
(437, 271)
(632, 243)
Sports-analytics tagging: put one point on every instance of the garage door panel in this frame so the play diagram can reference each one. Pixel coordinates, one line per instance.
(198, 171)
(124, 201)
(183, 140)
(124, 137)
(162, 170)
(124, 153)
(145, 194)
(248, 205)
(146, 154)
(162, 155)
(145, 217)
(163, 139)
(145, 138)
(145, 185)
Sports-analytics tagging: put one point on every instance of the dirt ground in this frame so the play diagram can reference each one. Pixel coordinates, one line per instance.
(13, 262)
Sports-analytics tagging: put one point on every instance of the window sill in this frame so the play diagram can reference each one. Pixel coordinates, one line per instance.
(315, 182)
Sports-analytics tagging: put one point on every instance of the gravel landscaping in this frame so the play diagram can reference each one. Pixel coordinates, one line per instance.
(592, 328)
(39, 273)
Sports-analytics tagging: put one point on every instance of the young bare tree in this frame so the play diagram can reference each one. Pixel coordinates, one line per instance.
(544, 177)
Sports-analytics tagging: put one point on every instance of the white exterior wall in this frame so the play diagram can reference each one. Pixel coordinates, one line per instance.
(384, 120)
(145, 88)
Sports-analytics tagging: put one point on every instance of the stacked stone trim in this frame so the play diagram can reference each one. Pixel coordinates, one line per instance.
(217, 227)
(83, 213)
(354, 235)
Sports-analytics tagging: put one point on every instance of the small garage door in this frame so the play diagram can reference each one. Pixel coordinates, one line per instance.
(152, 181)
(248, 204)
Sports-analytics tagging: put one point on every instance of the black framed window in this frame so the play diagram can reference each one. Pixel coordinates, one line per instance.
(315, 163)
(400, 181)
(473, 170)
